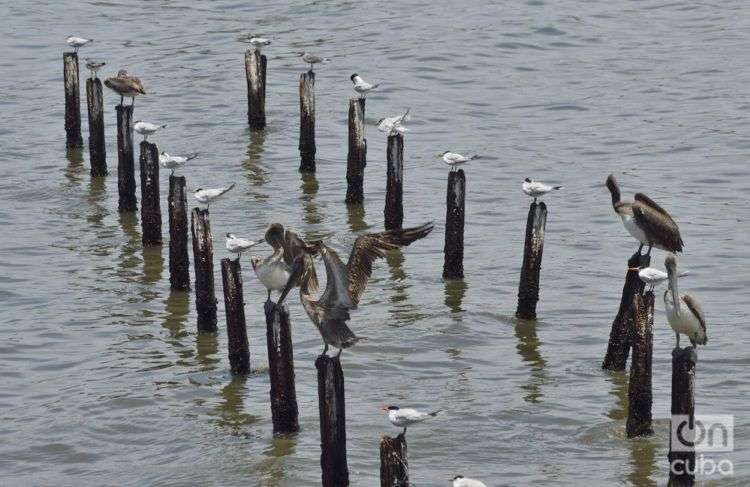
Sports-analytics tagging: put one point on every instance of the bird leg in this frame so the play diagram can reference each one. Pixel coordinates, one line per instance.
(132, 102)
(325, 349)
(404, 432)
(677, 337)
(640, 248)
(648, 252)
(339, 354)
(269, 295)
(122, 100)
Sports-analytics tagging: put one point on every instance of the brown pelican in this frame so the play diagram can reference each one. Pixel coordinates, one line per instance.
(684, 312)
(125, 85)
(344, 283)
(646, 221)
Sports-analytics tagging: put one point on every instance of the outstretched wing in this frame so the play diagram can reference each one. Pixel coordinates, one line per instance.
(367, 248)
(658, 227)
(294, 246)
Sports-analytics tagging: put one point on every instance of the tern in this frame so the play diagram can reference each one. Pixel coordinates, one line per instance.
(537, 189)
(146, 128)
(461, 481)
(404, 417)
(93, 65)
(173, 162)
(312, 59)
(684, 312)
(125, 85)
(361, 86)
(653, 276)
(208, 195)
(393, 125)
(77, 42)
(454, 159)
(237, 245)
(258, 42)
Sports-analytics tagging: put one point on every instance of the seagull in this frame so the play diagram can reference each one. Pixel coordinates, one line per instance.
(77, 42)
(313, 59)
(210, 194)
(173, 162)
(361, 86)
(404, 417)
(454, 159)
(237, 245)
(461, 481)
(684, 312)
(646, 221)
(537, 189)
(392, 125)
(146, 128)
(125, 85)
(344, 283)
(93, 65)
(258, 42)
(653, 276)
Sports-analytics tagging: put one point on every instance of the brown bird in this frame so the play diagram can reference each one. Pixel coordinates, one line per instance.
(125, 86)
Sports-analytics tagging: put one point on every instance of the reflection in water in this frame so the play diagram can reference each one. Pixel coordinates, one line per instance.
(206, 348)
(455, 290)
(97, 198)
(356, 218)
(272, 467)
(153, 264)
(255, 174)
(309, 191)
(643, 461)
(528, 348)
(620, 381)
(128, 257)
(403, 313)
(230, 409)
(176, 310)
(74, 171)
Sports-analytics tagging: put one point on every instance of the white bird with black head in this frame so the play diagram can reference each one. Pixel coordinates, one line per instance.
(361, 86)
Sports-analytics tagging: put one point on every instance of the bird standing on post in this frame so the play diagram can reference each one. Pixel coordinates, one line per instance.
(312, 59)
(393, 125)
(361, 86)
(206, 196)
(77, 42)
(237, 245)
(461, 481)
(93, 65)
(454, 159)
(257, 42)
(684, 312)
(125, 86)
(173, 162)
(146, 128)
(537, 189)
(404, 417)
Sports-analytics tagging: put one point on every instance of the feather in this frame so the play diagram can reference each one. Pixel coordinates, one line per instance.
(660, 230)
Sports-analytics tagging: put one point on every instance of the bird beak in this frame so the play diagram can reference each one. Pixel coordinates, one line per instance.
(260, 241)
(384, 408)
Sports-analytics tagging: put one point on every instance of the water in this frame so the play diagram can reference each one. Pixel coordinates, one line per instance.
(105, 380)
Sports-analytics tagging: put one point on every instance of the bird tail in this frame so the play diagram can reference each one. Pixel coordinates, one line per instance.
(163, 126)
(475, 157)
(325, 60)
(192, 156)
(435, 413)
(405, 116)
(557, 187)
(375, 85)
(228, 188)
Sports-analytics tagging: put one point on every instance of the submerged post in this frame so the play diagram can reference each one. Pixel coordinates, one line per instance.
(95, 103)
(234, 304)
(394, 468)
(356, 159)
(150, 200)
(682, 456)
(639, 386)
(255, 72)
(179, 272)
(203, 262)
(453, 265)
(332, 422)
(72, 100)
(528, 286)
(281, 368)
(394, 188)
(307, 122)
(125, 161)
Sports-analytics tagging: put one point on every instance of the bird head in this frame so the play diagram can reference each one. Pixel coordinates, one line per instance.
(458, 477)
(614, 189)
(230, 235)
(444, 153)
(300, 54)
(275, 235)
(528, 180)
(670, 262)
(390, 408)
(254, 261)
(137, 121)
(199, 189)
(353, 76)
(122, 73)
(380, 121)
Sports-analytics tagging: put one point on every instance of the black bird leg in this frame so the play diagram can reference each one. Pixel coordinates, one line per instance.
(339, 354)
(325, 349)
(640, 249)
(269, 295)
(404, 432)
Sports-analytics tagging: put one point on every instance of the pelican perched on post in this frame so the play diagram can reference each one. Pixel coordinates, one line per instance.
(646, 221)
(684, 312)
(344, 283)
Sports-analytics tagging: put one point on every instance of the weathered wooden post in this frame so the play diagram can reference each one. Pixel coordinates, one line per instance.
(72, 100)
(394, 189)
(255, 72)
(639, 387)
(97, 150)
(682, 456)
(619, 337)
(150, 200)
(281, 368)
(394, 468)
(125, 161)
(528, 286)
(356, 159)
(203, 263)
(307, 122)
(179, 272)
(332, 422)
(453, 265)
(234, 304)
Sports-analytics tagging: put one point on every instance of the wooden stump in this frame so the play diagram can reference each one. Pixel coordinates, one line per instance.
(150, 197)
(639, 386)
(453, 265)
(203, 262)
(179, 272)
(682, 457)
(307, 122)
(255, 72)
(394, 188)
(356, 159)
(394, 468)
(528, 286)
(234, 304)
(332, 422)
(281, 368)
(72, 100)
(95, 104)
(125, 161)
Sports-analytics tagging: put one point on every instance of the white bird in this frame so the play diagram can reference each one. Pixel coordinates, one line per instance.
(313, 59)
(361, 86)
(537, 189)
(461, 481)
(237, 245)
(77, 42)
(393, 125)
(208, 195)
(173, 162)
(684, 312)
(403, 417)
(146, 128)
(93, 65)
(653, 276)
(258, 42)
(454, 159)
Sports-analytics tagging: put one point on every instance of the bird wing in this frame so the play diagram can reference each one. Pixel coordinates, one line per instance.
(336, 293)
(695, 307)
(649, 202)
(657, 225)
(367, 248)
(294, 246)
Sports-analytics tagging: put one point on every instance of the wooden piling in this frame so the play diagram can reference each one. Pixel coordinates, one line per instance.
(281, 368)
(356, 159)
(125, 161)
(203, 262)
(394, 468)
(255, 72)
(97, 150)
(682, 457)
(72, 100)
(528, 285)
(453, 264)
(179, 272)
(332, 422)
(639, 386)
(150, 199)
(234, 304)
(394, 189)
(307, 122)
(619, 337)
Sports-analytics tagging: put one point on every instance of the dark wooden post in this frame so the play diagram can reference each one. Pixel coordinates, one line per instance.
(453, 265)
(356, 159)
(307, 122)
(125, 161)
(72, 100)
(203, 262)
(394, 468)
(281, 368)
(619, 337)
(97, 150)
(394, 189)
(179, 272)
(682, 457)
(150, 200)
(528, 286)
(639, 387)
(332, 422)
(255, 72)
(234, 304)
